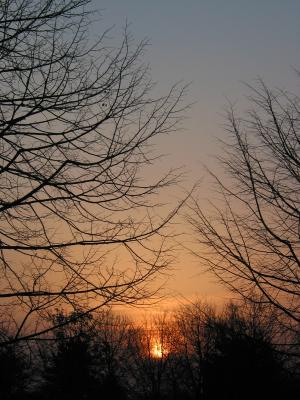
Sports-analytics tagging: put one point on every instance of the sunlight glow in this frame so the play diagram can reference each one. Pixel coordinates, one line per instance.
(158, 351)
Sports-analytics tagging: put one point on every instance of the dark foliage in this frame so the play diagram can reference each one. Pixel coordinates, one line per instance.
(13, 375)
(205, 356)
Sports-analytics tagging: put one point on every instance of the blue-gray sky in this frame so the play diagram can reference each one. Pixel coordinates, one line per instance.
(216, 45)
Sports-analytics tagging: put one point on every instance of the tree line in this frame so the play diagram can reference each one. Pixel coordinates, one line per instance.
(196, 352)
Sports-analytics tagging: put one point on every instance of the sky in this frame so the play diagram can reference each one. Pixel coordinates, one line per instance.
(216, 45)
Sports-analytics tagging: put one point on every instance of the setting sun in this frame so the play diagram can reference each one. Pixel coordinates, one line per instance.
(158, 351)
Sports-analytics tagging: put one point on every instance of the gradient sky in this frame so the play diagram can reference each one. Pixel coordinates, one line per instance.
(216, 45)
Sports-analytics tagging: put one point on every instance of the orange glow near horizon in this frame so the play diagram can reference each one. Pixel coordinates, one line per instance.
(158, 351)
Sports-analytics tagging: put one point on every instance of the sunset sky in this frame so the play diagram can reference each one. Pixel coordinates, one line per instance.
(215, 45)
(149, 199)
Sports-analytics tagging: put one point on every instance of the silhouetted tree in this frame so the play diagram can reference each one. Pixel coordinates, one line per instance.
(194, 344)
(196, 353)
(13, 376)
(77, 119)
(243, 360)
(111, 351)
(149, 352)
(68, 362)
(231, 354)
(252, 239)
(83, 358)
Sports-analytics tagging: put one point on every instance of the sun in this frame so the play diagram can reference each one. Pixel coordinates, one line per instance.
(158, 350)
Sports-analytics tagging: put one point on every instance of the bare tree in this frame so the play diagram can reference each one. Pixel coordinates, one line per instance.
(150, 347)
(252, 241)
(195, 323)
(79, 223)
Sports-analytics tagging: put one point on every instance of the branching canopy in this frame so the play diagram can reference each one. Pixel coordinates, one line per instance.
(77, 120)
(253, 239)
